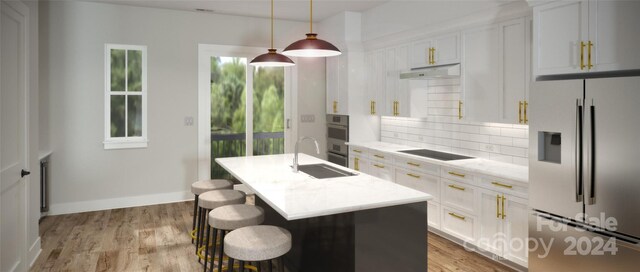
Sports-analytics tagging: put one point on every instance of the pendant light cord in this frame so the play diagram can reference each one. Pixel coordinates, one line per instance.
(272, 24)
(311, 16)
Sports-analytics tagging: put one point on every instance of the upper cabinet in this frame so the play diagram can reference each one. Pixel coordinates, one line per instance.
(585, 36)
(337, 84)
(441, 50)
(495, 80)
(396, 92)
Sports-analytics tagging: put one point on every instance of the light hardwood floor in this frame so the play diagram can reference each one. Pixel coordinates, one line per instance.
(155, 238)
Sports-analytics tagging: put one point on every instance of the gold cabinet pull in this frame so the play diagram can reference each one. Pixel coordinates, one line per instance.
(413, 164)
(356, 164)
(373, 107)
(335, 106)
(503, 214)
(357, 150)
(459, 109)
(457, 216)
(378, 156)
(379, 166)
(520, 112)
(590, 46)
(457, 187)
(502, 185)
(433, 55)
(413, 176)
(498, 206)
(526, 105)
(582, 45)
(457, 174)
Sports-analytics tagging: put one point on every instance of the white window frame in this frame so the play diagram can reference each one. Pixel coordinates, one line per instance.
(126, 141)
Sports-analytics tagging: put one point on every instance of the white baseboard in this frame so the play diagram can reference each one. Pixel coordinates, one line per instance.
(34, 252)
(117, 203)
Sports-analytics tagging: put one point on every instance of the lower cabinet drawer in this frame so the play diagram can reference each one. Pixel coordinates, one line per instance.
(381, 170)
(458, 195)
(433, 214)
(419, 181)
(458, 224)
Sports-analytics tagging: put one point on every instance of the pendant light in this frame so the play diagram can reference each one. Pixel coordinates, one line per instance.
(272, 59)
(311, 46)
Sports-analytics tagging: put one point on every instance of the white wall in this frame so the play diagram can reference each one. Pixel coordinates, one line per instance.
(84, 176)
(311, 97)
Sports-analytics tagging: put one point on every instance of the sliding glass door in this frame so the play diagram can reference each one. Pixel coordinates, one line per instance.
(247, 109)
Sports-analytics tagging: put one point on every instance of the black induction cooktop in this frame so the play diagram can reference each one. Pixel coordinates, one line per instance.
(443, 156)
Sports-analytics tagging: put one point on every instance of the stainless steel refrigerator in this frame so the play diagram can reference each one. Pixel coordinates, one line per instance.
(584, 158)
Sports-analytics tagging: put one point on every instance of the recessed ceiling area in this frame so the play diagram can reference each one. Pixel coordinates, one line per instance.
(295, 10)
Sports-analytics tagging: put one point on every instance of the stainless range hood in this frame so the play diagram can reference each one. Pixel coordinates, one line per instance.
(442, 71)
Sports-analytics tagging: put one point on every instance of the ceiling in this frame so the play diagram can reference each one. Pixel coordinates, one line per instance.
(295, 10)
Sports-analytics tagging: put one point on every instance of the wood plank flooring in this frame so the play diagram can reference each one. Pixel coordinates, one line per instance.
(155, 238)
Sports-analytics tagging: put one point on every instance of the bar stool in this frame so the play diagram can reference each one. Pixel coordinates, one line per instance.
(225, 219)
(257, 244)
(200, 187)
(211, 200)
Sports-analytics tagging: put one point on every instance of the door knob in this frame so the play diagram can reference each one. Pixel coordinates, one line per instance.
(24, 173)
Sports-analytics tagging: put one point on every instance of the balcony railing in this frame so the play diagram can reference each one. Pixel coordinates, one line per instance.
(234, 145)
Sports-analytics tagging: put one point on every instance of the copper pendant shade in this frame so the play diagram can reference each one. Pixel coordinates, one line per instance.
(311, 46)
(272, 59)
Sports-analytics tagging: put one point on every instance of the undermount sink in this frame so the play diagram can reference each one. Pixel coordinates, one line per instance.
(443, 156)
(323, 171)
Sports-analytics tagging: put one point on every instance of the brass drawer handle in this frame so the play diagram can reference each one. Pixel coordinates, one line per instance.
(413, 176)
(379, 156)
(502, 185)
(457, 216)
(457, 174)
(457, 187)
(357, 151)
(413, 164)
(356, 162)
(503, 213)
(379, 166)
(498, 206)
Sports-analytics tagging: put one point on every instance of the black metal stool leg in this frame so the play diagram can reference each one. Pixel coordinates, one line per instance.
(269, 265)
(281, 264)
(241, 266)
(198, 224)
(221, 252)
(195, 214)
(207, 233)
(230, 265)
(214, 250)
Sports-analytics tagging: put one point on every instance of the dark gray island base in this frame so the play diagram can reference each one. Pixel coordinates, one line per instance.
(384, 239)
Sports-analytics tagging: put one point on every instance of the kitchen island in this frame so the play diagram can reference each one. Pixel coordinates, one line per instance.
(352, 223)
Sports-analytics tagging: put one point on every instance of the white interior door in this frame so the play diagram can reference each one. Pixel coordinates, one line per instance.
(13, 135)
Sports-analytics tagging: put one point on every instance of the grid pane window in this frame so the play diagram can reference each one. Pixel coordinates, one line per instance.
(125, 100)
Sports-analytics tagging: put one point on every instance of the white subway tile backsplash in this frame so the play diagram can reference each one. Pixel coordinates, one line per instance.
(442, 130)
(514, 132)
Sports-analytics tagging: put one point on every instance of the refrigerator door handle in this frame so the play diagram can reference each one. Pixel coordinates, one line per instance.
(579, 153)
(592, 166)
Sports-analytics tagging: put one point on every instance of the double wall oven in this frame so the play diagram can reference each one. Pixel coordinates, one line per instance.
(337, 137)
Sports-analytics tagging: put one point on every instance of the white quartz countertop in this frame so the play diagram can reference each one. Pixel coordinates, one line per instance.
(478, 165)
(298, 195)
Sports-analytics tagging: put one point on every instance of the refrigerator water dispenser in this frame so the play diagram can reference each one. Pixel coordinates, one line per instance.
(550, 147)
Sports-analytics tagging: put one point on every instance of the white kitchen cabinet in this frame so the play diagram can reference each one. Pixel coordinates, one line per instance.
(459, 224)
(336, 85)
(441, 50)
(481, 76)
(375, 82)
(502, 226)
(360, 163)
(585, 36)
(495, 77)
(382, 169)
(396, 90)
(419, 181)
